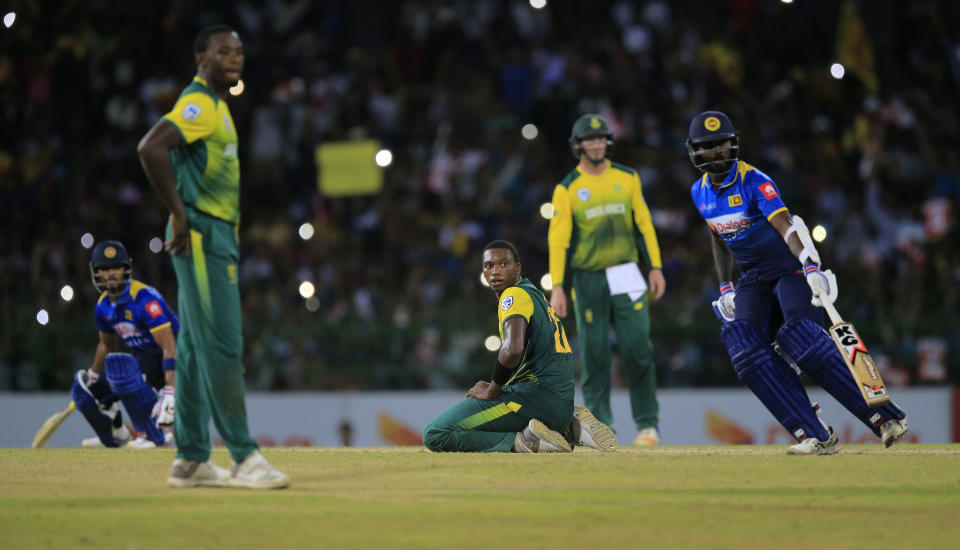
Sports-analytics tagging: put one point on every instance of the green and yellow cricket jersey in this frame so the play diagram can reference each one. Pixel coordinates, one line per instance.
(206, 165)
(547, 357)
(601, 221)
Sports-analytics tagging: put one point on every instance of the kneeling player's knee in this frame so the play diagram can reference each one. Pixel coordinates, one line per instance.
(746, 345)
(807, 343)
(434, 437)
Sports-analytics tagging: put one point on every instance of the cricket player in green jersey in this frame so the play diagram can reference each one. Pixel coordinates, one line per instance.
(190, 158)
(600, 225)
(528, 405)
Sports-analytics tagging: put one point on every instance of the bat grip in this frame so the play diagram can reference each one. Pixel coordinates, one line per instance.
(831, 311)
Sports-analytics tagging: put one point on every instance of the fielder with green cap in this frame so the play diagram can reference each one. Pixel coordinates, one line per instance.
(601, 227)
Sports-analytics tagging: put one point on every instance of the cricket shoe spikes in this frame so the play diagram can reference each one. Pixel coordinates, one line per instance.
(813, 446)
(587, 431)
(892, 430)
(538, 438)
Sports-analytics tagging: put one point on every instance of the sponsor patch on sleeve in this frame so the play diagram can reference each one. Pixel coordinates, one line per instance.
(506, 303)
(191, 111)
(768, 190)
(154, 309)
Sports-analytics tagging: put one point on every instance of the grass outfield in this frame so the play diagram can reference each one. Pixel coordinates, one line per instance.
(669, 497)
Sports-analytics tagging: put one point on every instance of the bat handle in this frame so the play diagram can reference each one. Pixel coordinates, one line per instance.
(831, 311)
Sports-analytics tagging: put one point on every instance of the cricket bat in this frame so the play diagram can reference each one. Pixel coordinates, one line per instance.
(50, 426)
(857, 358)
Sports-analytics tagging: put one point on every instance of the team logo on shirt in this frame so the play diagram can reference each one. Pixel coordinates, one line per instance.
(583, 194)
(768, 190)
(712, 123)
(734, 200)
(127, 315)
(506, 303)
(154, 309)
(191, 111)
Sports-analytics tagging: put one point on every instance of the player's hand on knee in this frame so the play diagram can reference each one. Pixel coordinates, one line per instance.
(163, 410)
(724, 308)
(823, 284)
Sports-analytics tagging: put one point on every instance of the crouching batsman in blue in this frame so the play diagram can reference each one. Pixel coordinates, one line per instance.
(771, 313)
(142, 380)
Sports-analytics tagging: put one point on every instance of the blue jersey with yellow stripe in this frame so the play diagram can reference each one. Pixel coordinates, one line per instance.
(136, 314)
(740, 212)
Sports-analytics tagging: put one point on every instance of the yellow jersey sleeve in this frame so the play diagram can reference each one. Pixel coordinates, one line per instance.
(644, 221)
(515, 301)
(558, 236)
(194, 115)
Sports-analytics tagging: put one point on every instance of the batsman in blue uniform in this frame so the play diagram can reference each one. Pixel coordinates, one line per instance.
(131, 311)
(772, 313)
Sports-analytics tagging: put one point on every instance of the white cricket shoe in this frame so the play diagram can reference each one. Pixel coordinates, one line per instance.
(256, 473)
(647, 437)
(813, 446)
(186, 473)
(587, 431)
(892, 430)
(120, 435)
(538, 438)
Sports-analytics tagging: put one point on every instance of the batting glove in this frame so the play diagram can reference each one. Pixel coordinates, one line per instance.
(163, 410)
(823, 284)
(724, 307)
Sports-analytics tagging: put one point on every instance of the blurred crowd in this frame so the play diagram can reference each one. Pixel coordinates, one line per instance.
(447, 86)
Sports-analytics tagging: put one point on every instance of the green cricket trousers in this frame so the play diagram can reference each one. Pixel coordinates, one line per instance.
(475, 425)
(209, 379)
(596, 310)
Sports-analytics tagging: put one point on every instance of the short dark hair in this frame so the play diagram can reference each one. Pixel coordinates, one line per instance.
(500, 243)
(202, 41)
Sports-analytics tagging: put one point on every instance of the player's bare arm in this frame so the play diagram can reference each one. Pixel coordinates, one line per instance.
(165, 338)
(723, 260)
(154, 151)
(558, 301)
(511, 353)
(658, 285)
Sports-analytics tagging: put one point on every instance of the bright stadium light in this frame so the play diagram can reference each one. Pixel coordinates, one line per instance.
(546, 210)
(237, 89)
(538, 4)
(529, 132)
(156, 245)
(819, 233)
(9, 18)
(492, 343)
(483, 281)
(837, 71)
(546, 282)
(43, 317)
(312, 304)
(787, 1)
(384, 158)
(66, 293)
(86, 240)
(307, 289)
(306, 231)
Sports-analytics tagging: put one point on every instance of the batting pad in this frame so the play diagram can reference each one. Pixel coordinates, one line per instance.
(817, 355)
(773, 381)
(126, 380)
(90, 410)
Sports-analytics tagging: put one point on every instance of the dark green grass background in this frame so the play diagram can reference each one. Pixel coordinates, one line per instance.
(668, 497)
